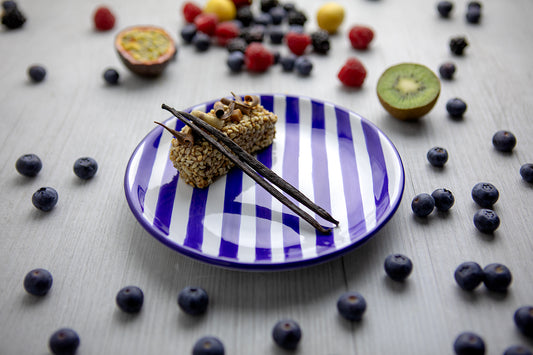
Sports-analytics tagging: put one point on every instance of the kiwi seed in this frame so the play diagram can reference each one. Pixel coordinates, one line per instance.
(408, 90)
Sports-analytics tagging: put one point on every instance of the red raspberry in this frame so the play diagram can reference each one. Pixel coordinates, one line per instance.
(353, 73)
(225, 32)
(104, 20)
(206, 23)
(257, 57)
(297, 42)
(360, 36)
(190, 11)
(241, 3)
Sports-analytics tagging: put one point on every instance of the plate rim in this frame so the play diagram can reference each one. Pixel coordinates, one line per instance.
(269, 266)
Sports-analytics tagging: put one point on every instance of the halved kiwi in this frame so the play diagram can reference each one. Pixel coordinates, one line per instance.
(408, 90)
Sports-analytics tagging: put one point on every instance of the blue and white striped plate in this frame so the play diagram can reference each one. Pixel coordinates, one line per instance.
(337, 158)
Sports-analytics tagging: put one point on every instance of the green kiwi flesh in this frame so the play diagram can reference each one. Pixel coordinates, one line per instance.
(408, 90)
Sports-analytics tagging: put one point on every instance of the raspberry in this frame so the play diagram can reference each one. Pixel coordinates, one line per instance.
(257, 57)
(190, 11)
(225, 32)
(360, 36)
(297, 42)
(241, 3)
(352, 73)
(206, 23)
(104, 20)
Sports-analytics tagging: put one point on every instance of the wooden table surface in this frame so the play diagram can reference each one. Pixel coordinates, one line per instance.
(93, 245)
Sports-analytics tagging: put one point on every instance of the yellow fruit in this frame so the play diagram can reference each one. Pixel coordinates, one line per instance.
(224, 9)
(330, 16)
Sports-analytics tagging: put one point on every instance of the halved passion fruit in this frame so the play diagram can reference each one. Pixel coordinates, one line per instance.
(145, 50)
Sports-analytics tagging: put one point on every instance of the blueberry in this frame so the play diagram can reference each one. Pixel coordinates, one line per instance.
(237, 44)
(201, 41)
(447, 70)
(111, 76)
(444, 8)
(351, 305)
(29, 165)
(267, 5)
(504, 141)
(277, 14)
(497, 278)
(263, 18)
(423, 204)
(64, 341)
(469, 275)
(276, 34)
(437, 156)
(235, 61)
(469, 343)
(9, 5)
(486, 221)
(473, 15)
(456, 107)
(517, 350)
(444, 199)
(36, 73)
(320, 41)
(85, 168)
(458, 45)
(193, 300)
(398, 266)
(287, 334)
(526, 171)
(474, 4)
(45, 198)
(130, 299)
(485, 194)
(303, 66)
(38, 282)
(245, 15)
(287, 63)
(187, 32)
(523, 319)
(208, 345)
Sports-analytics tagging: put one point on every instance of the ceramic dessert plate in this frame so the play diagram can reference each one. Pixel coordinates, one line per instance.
(340, 160)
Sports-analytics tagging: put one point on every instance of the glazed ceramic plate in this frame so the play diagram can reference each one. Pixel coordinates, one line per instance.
(337, 158)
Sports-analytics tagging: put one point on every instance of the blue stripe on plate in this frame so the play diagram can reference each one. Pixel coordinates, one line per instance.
(144, 170)
(231, 220)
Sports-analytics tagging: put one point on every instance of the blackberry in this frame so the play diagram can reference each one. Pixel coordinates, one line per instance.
(447, 70)
(245, 15)
(237, 44)
(320, 41)
(504, 141)
(458, 45)
(267, 5)
(13, 18)
(296, 17)
(497, 277)
(255, 33)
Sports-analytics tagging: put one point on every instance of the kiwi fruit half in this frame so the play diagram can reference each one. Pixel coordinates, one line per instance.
(408, 90)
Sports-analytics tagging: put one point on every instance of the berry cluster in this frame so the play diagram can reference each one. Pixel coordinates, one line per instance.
(473, 10)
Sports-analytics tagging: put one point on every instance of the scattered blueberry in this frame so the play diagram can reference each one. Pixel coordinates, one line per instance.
(497, 277)
(320, 41)
(201, 41)
(444, 199)
(398, 266)
(277, 14)
(235, 61)
(187, 32)
(485, 194)
(458, 45)
(64, 341)
(456, 107)
(208, 345)
(45, 198)
(486, 221)
(12, 17)
(526, 171)
(517, 350)
(287, 62)
(9, 5)
(85, 168)
(287, 334)
(469, 343)
(303, 66)
(111, 76)
(447, 70)
(504, 141)
(38, 282)
(351, 305)
(237, 44)
(29, 165)
(276, 34)
(130, 299)
(437, 156)
(469, 275)
(263, 18)
(473, 15)
(444, 8)
(193, 300)
(523, 319)
(473, 4)
(423, 204)
(36, 73)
